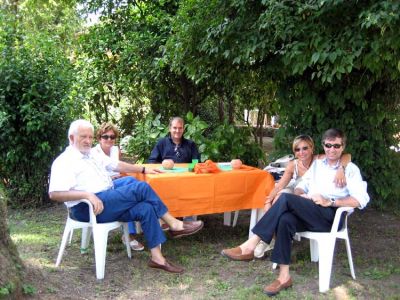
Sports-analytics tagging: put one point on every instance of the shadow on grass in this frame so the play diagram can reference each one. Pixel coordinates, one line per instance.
(208, 275)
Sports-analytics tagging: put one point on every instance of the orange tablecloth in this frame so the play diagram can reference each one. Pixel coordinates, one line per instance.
(187, 194)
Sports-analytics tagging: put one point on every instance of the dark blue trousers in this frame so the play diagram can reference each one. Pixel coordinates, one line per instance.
(133, 201)
(124, 181)
(291, 214)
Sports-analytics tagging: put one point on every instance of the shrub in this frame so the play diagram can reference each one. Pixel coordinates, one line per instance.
(222, 144)
(33, 118)
(227, 142)
(143, 138)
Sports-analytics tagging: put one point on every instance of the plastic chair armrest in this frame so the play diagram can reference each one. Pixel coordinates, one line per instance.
(91, 212)
(339, 212)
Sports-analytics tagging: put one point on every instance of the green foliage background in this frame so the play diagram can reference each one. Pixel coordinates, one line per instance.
(224, 143)
(334, 64)
(318, 64)
(34, 109)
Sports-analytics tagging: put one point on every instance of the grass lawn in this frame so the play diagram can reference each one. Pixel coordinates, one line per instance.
(375, 239)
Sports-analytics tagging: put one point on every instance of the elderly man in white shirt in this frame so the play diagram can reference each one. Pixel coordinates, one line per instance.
(312, 208)
(76, 174)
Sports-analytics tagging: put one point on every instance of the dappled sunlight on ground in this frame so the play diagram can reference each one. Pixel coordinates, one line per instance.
(341, 292)
(208, 275)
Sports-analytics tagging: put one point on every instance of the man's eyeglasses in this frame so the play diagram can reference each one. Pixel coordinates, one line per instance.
(305, 148)
(106, 137)
(329, 146)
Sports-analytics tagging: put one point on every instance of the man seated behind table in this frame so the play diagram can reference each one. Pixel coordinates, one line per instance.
(76, 175)
(175, 146)
(313, 208)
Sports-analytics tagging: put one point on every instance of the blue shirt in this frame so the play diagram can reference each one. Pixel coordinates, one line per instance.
(167, 149)
(319, 180)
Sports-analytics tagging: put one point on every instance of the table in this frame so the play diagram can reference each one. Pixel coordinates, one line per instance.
(187, 193)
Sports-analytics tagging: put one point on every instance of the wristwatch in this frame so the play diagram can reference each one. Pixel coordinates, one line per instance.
(332, 202)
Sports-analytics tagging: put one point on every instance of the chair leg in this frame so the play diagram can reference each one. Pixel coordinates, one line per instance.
(100, 237)
(70, 236)
(66, 234)
(126, 238)
(227, 218)
(235, 218)
(325, 249)
(314, 250)
(256, 215)
(350, 258)
(138, 228)
(297, 237)
(86, 232)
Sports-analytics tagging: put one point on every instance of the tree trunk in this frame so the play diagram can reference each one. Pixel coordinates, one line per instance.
(260, 126)
(11, 264)
(231, 108)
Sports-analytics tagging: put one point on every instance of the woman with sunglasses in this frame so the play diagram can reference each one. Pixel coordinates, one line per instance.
(106, 149)
(303, 149)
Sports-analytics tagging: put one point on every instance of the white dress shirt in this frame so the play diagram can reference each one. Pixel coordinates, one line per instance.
(319, 180)
(73, 170)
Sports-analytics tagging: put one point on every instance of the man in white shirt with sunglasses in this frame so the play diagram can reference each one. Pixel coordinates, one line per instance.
(311, 208)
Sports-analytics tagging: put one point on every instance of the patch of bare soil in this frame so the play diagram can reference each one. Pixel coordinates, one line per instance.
(375, 243)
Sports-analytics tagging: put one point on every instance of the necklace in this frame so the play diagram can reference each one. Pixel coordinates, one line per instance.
(309, 165)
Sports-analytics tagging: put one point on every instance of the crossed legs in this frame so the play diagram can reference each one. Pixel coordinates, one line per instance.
(288, 215)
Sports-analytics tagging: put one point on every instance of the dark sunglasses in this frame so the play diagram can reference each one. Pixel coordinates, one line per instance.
(329, 146)
(106, 137)
(305, 148)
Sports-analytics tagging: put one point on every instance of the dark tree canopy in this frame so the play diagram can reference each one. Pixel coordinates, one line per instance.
(318, 64)
(334, 63)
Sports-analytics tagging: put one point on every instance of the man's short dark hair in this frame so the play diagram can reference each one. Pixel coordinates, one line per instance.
(179, 119)
(334, 133)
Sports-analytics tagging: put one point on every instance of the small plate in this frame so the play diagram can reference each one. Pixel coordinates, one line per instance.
(225, 166)
(174, 170)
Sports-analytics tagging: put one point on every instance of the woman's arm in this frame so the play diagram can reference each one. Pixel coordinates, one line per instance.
(345, 159)
(340, 177)
(133, 168)
(283, 182)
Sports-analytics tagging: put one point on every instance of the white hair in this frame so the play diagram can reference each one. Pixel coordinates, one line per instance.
(74, 127)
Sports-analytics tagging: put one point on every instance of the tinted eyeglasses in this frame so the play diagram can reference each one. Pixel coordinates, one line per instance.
(305, 148)
(106, 137)
(329, 146)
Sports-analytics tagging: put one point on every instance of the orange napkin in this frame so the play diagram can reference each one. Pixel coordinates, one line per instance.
(206, 167)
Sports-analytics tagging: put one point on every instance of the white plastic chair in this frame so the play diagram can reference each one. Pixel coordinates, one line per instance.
(228, 218)
(100, 237)
(322, 246)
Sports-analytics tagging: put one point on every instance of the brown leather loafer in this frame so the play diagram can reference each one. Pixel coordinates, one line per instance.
(168, 266)
(236, 254)
(189, 228)
(276, 286)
